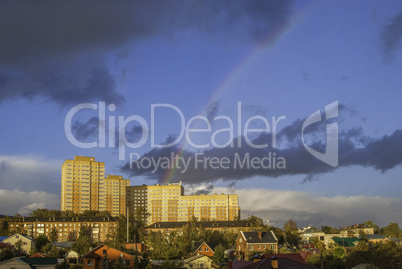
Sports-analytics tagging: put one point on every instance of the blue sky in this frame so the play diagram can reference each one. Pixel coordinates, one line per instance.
(275, 58)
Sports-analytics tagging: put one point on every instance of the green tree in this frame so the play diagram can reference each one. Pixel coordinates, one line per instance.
(290, 226)
(40, 241)
(4, 226)
(136, 263)
(339, 252)
(119, 264)
(392, 230)
(329, 230)
(219, 254)
(72, 236)
(18, 248)
(370, 223)
(53, 235)
(255, 221)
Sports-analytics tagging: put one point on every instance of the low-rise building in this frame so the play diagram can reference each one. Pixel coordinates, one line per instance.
(29, 263)
(203, 249)
(256, 242)
(94, 258)
(66, 227)
(220, 226)
(354, 230)
(198, 261)
(27, 243)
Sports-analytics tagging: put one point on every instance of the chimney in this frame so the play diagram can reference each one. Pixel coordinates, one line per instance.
(274, 263)
(259, 234)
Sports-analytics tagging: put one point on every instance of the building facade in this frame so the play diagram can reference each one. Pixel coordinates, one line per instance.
(167, 203)
(256, 242)
(84, 187)
(67, 227)
(115, 195)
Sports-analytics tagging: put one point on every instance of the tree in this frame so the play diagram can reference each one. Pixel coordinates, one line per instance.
(72, 236)
(136, 263)
(370, 223)
(290, 226)
(18, 248)
(339, 252)
(119, 264)
(53, 235)
(329, 230)
(392, 230)
(4, 226)
(219, 254)
(40, 241)
(255, 221)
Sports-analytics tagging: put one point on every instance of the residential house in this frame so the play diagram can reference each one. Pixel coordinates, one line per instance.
(199, 261)
(377, 238)
(293, 256)
(29, 263)
(67, 227)
(203, 249)
(354, 230)
(311, 233)
(94, 258)
(39, 255)
(72, 257)
(347, 243)
(140, 247)
(277, 263)
(256, 242)
(27, 242)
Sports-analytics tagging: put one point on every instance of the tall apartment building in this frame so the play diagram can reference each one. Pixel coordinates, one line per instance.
(116, 194)
(220, 207)
(163, 201)
(167, 203)
(84, 187)
(137, 198)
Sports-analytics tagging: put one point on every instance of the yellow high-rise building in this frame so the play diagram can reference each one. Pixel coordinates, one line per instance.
(84, 187)
(116, 194)
(167, 203)
(219, 207)
(162, 202)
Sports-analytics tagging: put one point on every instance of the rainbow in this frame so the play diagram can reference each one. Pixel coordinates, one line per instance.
(238, 70)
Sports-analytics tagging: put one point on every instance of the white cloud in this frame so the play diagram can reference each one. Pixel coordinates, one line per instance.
(16, 201)
(27, 173)
(307, 209)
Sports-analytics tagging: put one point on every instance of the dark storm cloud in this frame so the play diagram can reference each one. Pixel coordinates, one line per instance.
(59, 50)
(391, 36)
(86, 130)
(354, 149)
(212, 111)
(90, 128)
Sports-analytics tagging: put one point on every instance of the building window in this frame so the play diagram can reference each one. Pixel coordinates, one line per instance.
(272, 247)
(90, 263)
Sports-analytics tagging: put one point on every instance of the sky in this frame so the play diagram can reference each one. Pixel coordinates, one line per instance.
(292, 105)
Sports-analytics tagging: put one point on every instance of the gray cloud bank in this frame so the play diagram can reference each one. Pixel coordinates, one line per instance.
(354, 149)
(60, 51)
